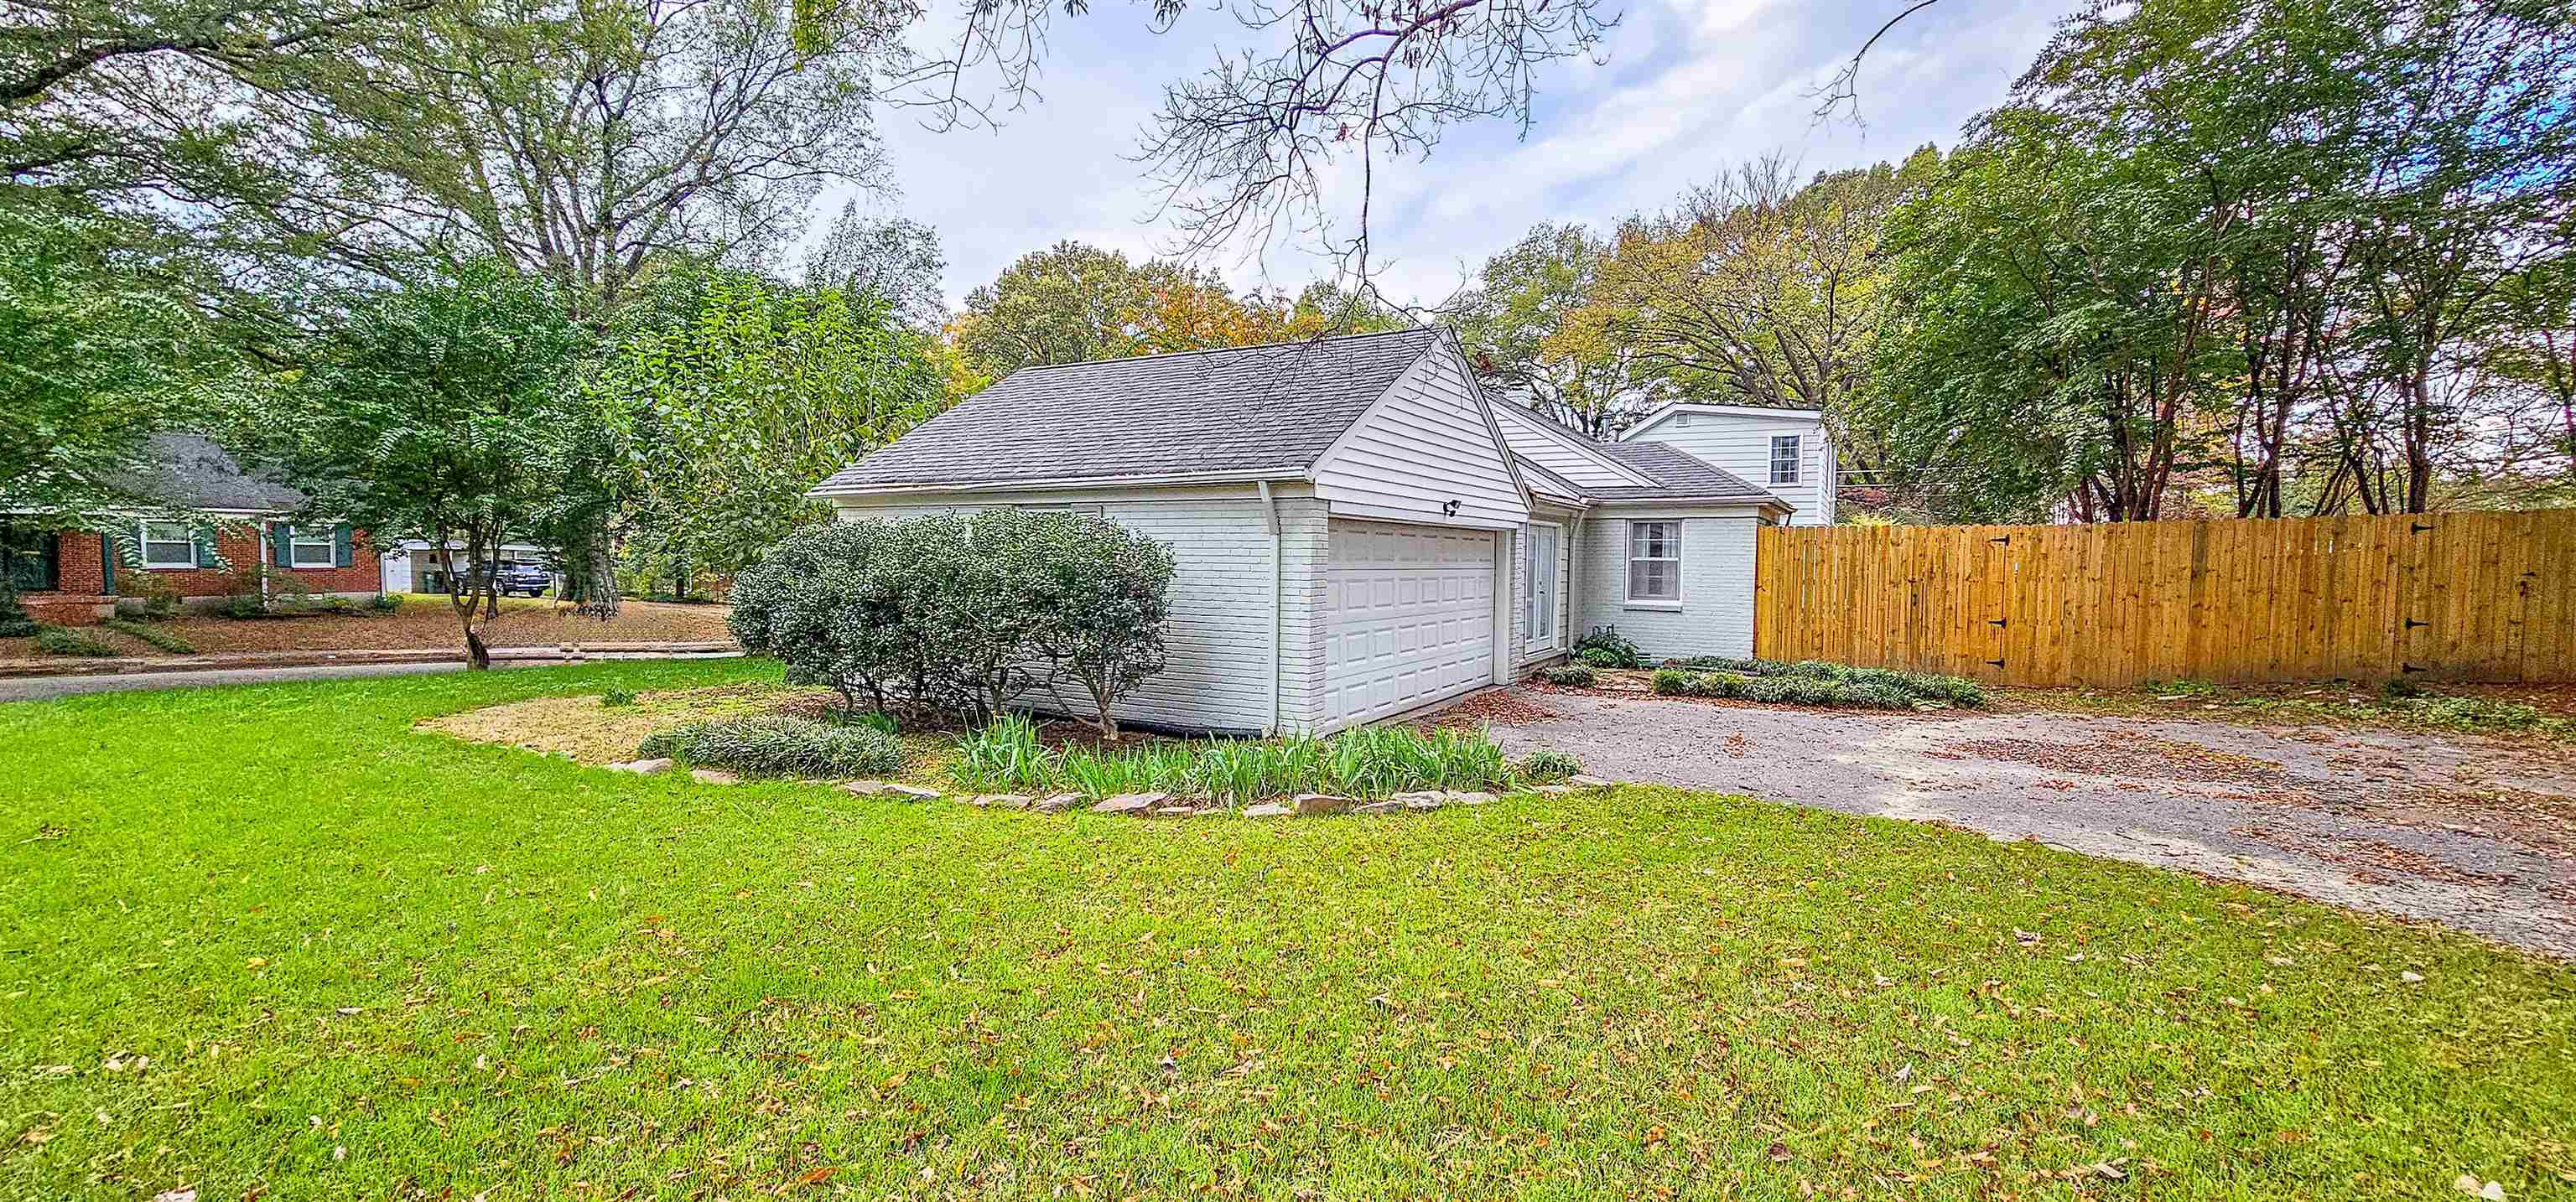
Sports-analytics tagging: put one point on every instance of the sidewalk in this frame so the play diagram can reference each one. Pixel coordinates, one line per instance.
(569, 653)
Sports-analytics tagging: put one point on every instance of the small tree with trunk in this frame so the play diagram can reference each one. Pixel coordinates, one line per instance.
(441, 411)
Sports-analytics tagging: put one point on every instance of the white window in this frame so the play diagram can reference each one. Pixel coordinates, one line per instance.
(1542, 587)
(169, 545)
(310, 549)
(1654, 561)
(1784, 459)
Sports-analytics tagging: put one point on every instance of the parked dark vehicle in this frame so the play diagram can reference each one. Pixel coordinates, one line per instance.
(529, 578)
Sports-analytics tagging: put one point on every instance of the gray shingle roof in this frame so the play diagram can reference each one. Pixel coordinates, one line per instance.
(188, 471)
(1276, 406)
(1681, 473)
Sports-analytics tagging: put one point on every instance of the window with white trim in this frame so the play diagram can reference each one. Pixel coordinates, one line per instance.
(303, 550)
(1654, 561)
(1784, 459)
(169, 545)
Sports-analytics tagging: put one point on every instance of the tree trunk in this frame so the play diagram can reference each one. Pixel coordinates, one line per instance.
(478, 658)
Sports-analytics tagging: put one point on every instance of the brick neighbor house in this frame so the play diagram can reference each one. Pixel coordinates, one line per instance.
(76, 577)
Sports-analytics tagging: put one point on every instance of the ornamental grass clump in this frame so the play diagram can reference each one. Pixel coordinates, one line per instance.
(775, 745)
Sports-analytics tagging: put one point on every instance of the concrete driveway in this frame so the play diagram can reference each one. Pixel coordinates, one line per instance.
(2474, 833)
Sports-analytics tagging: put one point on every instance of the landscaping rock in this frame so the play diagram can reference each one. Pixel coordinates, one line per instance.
(1321, 803)
(1003, 801)
(713, 776)
(866, 788)
(1269, 810)
(1468, 798)
(1587, 782)
(1388, 806)
(1173, 811)
(1058, 803)
(1130, 803)
(643, 767)
(911, 792)
(1425, 799)
(1555, 790)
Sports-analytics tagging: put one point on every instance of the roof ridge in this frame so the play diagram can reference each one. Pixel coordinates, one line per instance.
(1220, 350)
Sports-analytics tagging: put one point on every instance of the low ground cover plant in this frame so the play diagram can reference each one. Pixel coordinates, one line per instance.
(63, 640)
(1545, 767)
(1570, 675)
(1008, 756)
(1869, 685)
(776, 745)
(157, 636)
(1605, 647)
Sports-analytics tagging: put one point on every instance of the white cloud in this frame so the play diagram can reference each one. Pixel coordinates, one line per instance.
(1687, 91)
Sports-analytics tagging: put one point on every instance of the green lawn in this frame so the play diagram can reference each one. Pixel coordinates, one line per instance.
(274, 940)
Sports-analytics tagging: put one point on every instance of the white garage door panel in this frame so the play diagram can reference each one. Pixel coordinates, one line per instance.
(1411, 618)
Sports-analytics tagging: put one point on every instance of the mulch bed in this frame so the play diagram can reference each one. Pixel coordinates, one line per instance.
(421, 623)
(1493, 707)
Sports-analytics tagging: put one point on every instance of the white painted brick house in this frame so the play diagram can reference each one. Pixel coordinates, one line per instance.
(1359, 530)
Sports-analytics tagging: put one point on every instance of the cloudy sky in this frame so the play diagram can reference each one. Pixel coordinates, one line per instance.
(1686, 90)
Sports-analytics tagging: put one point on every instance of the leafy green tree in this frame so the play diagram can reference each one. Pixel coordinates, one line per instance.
(1069, 303)
(732, 413)
(443, 410)
(895, 259)
(95, 355)
(1525, 328)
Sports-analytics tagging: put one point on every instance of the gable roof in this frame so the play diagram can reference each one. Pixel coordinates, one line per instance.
(1259, 411)
(189, 471)
(1679, 474)
(1669, 408)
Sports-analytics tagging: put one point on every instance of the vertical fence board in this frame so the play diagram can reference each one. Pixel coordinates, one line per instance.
(2463, 596)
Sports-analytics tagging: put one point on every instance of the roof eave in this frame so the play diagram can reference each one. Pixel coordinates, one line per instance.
(1055, 483)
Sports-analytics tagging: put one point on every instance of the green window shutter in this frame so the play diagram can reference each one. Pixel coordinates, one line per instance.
(206, 549)
(106, 565)
(342, 553)
(281, 549)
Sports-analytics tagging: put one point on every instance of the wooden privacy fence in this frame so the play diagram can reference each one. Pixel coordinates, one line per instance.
(2449, 596)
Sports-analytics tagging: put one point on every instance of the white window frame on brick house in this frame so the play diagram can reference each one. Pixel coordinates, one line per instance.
(296, 542)
(1785, 470)
(186, 542)
(1641, 538)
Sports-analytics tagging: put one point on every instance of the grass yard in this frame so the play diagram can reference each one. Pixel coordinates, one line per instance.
(421, 622)
(278, 943)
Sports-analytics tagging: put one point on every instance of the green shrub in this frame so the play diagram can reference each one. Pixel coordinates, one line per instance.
(1605, 647)
(62, 640)
(774, 745)
(1876, 697)
(1671, 682)
(17, 627)
(2400, 688)
(961, 613)
(617, 698)
(384, 603)
(1548, 767)
(2477, 715)
(1572, 675)
(149, 633)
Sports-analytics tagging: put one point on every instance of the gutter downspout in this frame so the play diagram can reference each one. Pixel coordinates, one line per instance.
(1270, 521)
(1573, 595)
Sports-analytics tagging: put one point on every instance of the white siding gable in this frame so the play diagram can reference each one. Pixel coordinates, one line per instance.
(1558, 453)
(1427, 442)
(1739, 440)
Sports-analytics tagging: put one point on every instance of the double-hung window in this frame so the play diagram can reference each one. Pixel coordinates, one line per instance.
(169, 545)
(1784, 459)
(1655, 561)
(310, 548)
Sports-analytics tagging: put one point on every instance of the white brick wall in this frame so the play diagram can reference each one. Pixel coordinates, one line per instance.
(1716, 612)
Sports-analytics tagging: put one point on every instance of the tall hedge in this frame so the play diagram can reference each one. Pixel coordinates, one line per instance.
(962, 613)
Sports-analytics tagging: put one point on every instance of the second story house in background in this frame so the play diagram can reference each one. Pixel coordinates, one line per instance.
(1785, 451)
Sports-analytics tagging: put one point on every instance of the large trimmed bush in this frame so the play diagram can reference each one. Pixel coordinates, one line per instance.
(963, 613)
(774, 745)
(1875, 685)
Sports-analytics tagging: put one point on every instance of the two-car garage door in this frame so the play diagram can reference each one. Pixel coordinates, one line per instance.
(1410, 618)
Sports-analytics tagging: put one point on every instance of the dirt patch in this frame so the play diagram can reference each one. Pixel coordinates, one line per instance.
(423, 623)
(593, 733)
(2136, 759)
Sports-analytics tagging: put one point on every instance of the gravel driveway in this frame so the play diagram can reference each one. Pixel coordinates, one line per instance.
(2478, 834)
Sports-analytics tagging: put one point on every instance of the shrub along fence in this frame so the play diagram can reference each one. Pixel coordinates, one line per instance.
(2443, 596)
